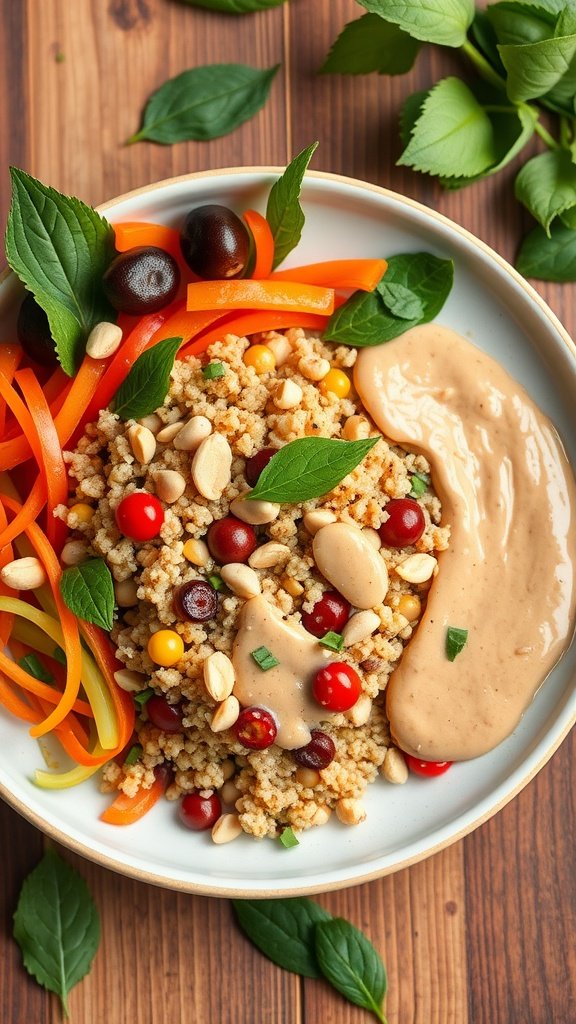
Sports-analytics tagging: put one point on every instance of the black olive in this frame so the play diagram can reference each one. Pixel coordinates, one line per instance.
(141, 280)
(215, 243)
(34, 335)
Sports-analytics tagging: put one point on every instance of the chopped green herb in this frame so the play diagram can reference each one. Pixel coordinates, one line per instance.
(59, 655)
(264, 658)
(134, 754)
(216, 581)
(287, 838)
(213, 370)
(143, 697)
(420, 483)
(335, 641)
(455, 641)
(33, 666)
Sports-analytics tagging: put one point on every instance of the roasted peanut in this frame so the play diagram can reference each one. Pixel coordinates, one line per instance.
(23, 573)
(104, 340)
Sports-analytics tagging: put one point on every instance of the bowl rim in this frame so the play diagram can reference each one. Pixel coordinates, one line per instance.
(231, 892)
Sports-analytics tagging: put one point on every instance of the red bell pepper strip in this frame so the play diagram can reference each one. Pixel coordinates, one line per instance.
(127, 809)
(263, 243)
(362, 275)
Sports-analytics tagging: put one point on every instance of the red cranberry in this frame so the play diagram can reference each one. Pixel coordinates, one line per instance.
(199, 812)
(163, 715)
(328, 614)
(231, 540)
(196, 601)
(256, 463)
(337, 686)
(428, 768)
(255, 728)
(405, 524)
(318, 753)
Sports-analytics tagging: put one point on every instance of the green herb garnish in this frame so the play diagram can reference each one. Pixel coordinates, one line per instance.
(308, 468)
(148, 382)
(59, 655)
(334, 641)
(216, 581)
(88, 591)
(213, 370)
(287, 838)
(31, 663)
(455, 641)
(134, 754)
(143, 697)
(420, 483)
(204, 103)
(283, 211)
(264, 658)
(56, 925)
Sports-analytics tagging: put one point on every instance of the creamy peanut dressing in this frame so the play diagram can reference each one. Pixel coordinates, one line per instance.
(285, 690)
(508, 575)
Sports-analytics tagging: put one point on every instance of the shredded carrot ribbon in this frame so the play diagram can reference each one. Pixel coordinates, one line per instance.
(361, 275)
(244, 323)
(255, 295)
(263, 243)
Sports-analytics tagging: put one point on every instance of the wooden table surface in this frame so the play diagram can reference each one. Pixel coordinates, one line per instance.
(482, 933)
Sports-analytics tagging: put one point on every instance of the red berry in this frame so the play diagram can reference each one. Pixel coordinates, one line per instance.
(255, 728)
(405, 524)
(256, 463)
(163, 715)
(428, 768)
(196, 601)
(318, 753)
(337, 687)
(328, 614)
(139, 516)
(199, 812)
(231, 540)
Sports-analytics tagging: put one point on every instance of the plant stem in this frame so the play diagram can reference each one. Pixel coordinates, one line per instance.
(482, 66)
(545, 136)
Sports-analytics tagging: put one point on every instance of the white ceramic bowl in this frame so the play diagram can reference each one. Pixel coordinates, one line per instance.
(495, 308)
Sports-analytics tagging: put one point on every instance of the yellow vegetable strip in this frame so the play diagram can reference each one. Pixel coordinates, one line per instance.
(65, 780)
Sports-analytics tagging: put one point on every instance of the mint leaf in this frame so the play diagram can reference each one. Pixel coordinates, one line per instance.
(351, 964)
(235, 6)
(534, 68)
(453, 135)
(444, 22)
(88, 591)
(60, 248)
(283, 930)
(371, 44)
(519, 23)
(400, 301)
(146, 386)
(409, 114)
(56, 926)
(283, 211)
(568, 217)
(363, 320)
(484, 36)
(308, 468)
(547, 186)
(204, 103)
(456, 639)
(549, 258)
(512, 130)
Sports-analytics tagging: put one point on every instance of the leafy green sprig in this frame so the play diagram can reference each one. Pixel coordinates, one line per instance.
(525, 56)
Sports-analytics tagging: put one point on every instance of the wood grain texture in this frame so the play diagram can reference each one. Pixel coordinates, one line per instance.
(482, 933)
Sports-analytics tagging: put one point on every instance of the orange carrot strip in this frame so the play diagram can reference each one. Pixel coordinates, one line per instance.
(27, 682)
(130, 234)
(105, 657)
(10, 357)
(361, 275)
(27, 513)
(6, 555)
(263, 243)
(127, 809)
(56, 388)
(186, 324)
(16, 405)
(250, 294)
(245, 323)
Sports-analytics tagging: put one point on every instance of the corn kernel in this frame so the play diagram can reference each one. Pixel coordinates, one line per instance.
(83, 511)
(410, 606)
(260, 358)
(337, 382)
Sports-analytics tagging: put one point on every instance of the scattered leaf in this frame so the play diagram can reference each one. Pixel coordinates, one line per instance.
(351, 964)
(535, 68)
(235, 6)
(547, 186)
(283, 930)
(444, 22)
(549, 258)
(371, 44)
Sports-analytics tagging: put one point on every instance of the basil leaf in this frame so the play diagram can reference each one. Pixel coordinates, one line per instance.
(308, 468)
(453, 135)
(147, 384)
(568, 217)
(456, 639)
(549, 258)
(534, 68)
(204, 103)
(485, 37)
(283, 211)
(518, 23)
(547, 186)
(363, 320)
(88, 591)
(235, 6)
(56, 925)
(351, 964)
(400, 301)
(60, 248)
(371, 44)
(33, 666)
(409, 114)
(437, 21)
(512, 130)
(283, 930)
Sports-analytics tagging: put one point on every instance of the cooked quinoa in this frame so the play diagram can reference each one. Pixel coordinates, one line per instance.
(265, 789)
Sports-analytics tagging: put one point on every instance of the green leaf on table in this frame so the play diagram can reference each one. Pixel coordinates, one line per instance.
(60, 248)
(88, 591)
(400, 300)
(351, 964)
(283, 930)
(235, 6)
(371, 44)
(283, 211)
(146, 386)
(56, 925)
(484, 36)
(409, 114)
(547, 186)
(511, 131)
(568, 217)
(518, 23)
(453, 136)
(364, 319)
(535, 68)
(308, 468)
(444, 22)
(204, 103)
(549, 258)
